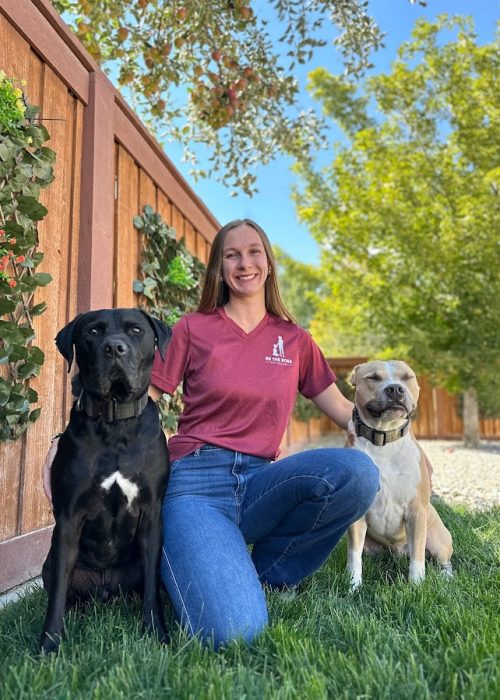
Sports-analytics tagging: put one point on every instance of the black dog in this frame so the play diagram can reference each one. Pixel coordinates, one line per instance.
(110, 470)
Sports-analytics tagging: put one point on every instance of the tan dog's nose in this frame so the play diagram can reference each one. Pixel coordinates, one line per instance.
(394, 391)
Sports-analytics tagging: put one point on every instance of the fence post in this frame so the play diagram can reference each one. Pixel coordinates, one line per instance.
(96, 251)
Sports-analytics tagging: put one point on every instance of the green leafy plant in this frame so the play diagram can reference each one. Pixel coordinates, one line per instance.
(25, 169)
(171, 284)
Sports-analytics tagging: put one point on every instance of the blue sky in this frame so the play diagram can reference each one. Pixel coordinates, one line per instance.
(272, 207)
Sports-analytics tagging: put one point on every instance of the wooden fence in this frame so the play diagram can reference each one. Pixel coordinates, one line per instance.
(108, 167)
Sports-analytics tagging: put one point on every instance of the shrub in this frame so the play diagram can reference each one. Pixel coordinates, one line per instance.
(25, 169)
(171, 285)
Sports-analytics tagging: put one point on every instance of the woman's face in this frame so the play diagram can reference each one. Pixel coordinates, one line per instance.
(245, 266)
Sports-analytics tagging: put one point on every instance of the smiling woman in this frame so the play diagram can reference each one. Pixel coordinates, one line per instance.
(242, 359)
(228, 241)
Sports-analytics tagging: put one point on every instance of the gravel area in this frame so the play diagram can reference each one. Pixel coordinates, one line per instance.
(462, 475)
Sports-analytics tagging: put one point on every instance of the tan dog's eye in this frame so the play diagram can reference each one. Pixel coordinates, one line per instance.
(374, 378)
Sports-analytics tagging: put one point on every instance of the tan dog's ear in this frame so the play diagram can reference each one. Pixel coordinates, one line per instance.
(352, 379)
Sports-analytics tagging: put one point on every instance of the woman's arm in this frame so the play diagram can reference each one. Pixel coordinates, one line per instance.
(47, 466)
(154, 392)
(334, 405)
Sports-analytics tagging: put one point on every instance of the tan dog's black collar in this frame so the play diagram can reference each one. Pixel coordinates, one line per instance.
(378, 437)
(111, 410)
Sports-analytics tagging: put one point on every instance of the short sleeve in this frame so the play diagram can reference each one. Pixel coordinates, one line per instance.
(315, 374)
(167, 374)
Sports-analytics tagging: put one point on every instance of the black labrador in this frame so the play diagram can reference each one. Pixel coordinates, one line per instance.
(110, 470)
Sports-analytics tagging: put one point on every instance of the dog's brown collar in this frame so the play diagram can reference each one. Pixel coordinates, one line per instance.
(112, 410)
(378, 437)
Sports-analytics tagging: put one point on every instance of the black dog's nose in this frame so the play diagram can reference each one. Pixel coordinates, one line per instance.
(115, 348)
(394, 391)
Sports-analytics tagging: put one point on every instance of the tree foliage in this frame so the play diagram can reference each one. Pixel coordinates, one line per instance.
(408, 213)
(300, 286)
(209, 72)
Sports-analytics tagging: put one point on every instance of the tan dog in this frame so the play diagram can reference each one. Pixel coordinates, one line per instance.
(401, 517)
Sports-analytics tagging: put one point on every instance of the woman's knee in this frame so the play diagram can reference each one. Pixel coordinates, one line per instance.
(245, 629)
(342, 470)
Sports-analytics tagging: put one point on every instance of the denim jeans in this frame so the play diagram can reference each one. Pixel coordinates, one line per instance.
(293, 512)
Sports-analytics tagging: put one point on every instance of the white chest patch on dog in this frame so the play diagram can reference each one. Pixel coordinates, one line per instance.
(128, 488)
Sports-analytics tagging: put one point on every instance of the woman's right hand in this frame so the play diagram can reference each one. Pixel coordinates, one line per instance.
(47, 465)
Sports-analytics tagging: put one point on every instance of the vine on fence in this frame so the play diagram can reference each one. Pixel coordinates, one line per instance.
(25, 169)
(171, 283)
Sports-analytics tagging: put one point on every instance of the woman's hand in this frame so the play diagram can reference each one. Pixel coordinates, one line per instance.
(154, 392)
(334, 405)
(47, 466)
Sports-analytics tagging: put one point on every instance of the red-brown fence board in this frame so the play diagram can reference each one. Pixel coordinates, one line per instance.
(55, 242)
(190, 237)
(126, 239)
(177, 222)
(165, 208)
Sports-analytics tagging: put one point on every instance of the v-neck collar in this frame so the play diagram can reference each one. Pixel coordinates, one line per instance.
(240, 331)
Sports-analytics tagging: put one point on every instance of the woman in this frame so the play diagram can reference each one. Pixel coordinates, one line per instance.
(242, 360)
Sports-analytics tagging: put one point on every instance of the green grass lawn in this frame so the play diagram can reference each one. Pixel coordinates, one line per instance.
(390, 640)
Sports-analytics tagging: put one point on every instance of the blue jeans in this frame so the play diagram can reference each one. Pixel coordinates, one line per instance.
(293, 512)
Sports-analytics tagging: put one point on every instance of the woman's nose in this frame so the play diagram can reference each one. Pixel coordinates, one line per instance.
(245, 261)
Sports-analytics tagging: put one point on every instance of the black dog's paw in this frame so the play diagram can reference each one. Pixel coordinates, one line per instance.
(163, 635)
(157, 629)
(49, 642)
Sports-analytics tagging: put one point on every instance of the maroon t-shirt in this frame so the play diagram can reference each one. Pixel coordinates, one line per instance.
(239, 388)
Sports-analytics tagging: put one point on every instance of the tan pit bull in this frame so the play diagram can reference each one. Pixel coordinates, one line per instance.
(401, 517)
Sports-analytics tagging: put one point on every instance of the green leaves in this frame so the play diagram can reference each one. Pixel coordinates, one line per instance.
(25, 169)
(407, 213)
(170, 283)
(31, 207)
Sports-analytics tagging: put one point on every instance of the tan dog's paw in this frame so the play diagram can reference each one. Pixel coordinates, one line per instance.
(447, 569)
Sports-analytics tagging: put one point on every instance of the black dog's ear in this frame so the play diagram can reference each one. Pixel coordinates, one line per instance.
(162, 332)
(65, 340)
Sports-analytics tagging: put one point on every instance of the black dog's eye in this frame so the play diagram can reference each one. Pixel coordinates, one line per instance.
(135, 330)
(93, 331)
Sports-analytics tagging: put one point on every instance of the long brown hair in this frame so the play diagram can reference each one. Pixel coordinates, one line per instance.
(215, 291)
